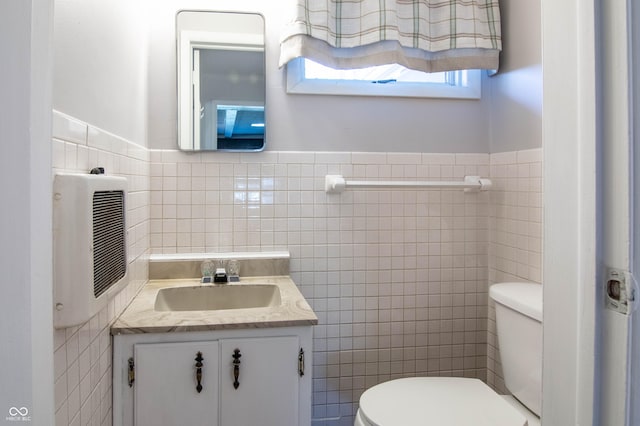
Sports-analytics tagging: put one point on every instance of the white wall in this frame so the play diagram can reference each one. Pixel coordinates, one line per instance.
(26, 358)
(516, 91)
(100, 64)
(15, 109)
(316, 123)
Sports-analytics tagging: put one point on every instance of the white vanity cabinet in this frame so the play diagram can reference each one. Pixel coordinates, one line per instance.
(247, 377)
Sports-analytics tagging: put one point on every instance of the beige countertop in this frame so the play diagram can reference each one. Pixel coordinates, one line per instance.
(141, 317)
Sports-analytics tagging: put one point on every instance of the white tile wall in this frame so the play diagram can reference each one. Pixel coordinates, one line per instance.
(515, 237)
(398, 278)
(82, 358)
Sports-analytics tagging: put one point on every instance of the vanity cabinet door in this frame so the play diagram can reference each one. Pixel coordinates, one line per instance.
(267, 381)
(167, 376)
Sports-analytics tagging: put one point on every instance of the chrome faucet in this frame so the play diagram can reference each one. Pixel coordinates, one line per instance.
(220, 276)
(214, 272)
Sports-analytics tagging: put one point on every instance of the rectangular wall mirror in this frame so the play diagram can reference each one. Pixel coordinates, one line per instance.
(221, 81)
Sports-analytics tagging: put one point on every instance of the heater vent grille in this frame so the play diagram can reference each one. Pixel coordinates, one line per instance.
(109, 240)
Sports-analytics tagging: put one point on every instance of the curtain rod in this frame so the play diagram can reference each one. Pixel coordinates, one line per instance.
(335, 184)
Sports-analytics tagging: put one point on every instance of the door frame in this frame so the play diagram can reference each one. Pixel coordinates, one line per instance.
(634, 335)
(588, 123)
(617, 203)
(570, 146)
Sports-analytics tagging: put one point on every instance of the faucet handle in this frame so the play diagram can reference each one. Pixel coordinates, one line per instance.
(233, 270)
(207, 268)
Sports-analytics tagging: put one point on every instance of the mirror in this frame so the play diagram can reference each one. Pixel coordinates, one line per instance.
(221, 81)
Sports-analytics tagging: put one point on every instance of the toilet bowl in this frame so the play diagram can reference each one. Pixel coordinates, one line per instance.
(442, 401)
(458, 401)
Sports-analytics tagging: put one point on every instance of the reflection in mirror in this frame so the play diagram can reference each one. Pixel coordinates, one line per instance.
(221, 81)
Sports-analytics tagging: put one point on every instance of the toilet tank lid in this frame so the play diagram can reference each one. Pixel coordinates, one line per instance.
(525, 298)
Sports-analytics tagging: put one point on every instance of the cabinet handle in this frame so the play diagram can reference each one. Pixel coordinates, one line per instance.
(199, 360)
(236, 367)
(132, 372)
(301, 362)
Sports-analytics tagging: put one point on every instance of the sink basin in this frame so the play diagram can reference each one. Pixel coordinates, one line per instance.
(208, 298)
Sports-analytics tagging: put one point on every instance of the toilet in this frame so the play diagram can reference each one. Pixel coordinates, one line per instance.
(458, 401)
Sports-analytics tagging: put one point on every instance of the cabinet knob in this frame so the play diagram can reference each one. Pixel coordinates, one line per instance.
(236, 367)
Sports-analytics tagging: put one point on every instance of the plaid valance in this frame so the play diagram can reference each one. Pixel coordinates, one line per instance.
(427, 35)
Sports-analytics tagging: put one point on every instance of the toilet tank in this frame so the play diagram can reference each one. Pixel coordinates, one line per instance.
(519, 324)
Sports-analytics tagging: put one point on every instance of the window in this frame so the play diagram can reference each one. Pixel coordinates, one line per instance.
(306, 76)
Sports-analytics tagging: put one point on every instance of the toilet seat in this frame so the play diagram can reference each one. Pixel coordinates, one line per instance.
(441, 401)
